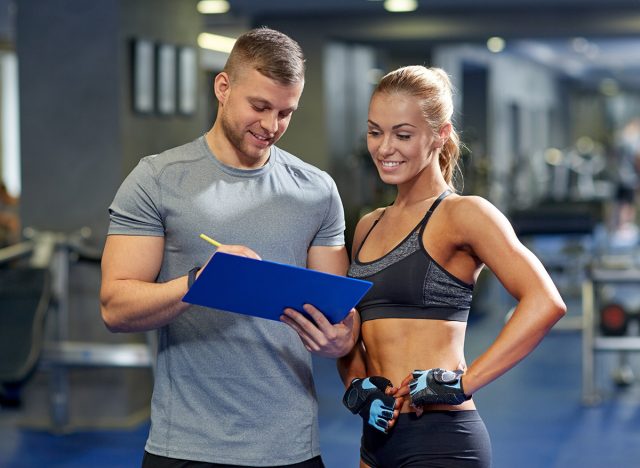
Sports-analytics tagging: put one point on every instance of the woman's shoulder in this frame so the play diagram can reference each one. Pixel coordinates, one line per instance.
(365, 224)
(468, 202)
(372, 216)
(366, 221)
(471, 212)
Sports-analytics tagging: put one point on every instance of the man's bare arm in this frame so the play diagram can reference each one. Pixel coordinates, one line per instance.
(130, 298)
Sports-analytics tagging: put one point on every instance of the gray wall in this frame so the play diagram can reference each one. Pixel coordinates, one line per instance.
(79, 135)
(174, 22)
(69, 106)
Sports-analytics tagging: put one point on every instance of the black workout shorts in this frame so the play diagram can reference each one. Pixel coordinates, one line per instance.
(157, 461)
(455, 439)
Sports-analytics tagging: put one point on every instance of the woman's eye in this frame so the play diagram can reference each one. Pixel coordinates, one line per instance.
(373, 132)
(404, 137)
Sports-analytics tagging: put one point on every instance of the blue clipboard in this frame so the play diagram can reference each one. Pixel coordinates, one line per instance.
(262, 288)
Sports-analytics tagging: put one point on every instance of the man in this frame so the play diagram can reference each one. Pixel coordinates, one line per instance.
(229, 389)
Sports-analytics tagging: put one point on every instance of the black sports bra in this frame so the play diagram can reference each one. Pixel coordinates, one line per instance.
(408, 283)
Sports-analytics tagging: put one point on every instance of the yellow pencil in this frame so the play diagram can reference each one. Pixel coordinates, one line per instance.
(210, 240)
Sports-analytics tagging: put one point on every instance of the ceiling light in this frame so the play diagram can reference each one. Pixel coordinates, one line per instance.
(585, 145)
(213, 7)
(216, 42)
(495, 44)
(399, 6)
(553, 156)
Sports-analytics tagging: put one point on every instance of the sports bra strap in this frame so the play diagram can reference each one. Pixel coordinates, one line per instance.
(434, 205)
(369, 232)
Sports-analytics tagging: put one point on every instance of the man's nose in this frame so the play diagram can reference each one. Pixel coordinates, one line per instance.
(270, 123)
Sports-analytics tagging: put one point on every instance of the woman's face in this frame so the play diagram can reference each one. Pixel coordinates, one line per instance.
(399, 139)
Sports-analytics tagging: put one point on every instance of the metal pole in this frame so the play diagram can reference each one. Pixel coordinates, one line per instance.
(59, 391)
(589, 393)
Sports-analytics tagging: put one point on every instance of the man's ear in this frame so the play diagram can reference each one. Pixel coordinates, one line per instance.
(221, 86)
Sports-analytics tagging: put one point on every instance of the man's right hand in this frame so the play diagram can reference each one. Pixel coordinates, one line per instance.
(238, 250)
(368, 398)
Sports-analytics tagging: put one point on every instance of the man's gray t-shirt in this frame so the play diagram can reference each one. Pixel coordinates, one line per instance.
(230, 388)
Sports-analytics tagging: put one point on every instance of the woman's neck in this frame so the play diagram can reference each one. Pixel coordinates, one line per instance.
(420, 189)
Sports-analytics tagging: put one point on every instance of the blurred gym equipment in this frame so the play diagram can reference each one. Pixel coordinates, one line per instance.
(34, 320)
(561, 234)
(613, 320)
(609, 328)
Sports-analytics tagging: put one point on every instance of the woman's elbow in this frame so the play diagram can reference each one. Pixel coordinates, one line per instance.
(557, 309)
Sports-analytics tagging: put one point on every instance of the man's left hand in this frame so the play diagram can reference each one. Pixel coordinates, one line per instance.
(323, 338)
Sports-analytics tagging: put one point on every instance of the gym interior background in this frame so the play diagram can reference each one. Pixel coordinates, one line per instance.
(548, 93)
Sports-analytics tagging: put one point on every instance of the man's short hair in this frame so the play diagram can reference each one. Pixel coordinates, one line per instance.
(271, 52)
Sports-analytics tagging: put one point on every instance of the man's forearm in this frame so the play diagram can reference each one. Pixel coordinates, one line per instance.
(134, 306)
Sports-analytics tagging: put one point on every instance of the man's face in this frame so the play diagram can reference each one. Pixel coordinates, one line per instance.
(255, 113)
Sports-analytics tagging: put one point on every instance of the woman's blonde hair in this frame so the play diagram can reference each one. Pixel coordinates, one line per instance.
(434, 90)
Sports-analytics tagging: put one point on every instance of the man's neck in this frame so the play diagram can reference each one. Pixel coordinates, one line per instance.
(228, 154)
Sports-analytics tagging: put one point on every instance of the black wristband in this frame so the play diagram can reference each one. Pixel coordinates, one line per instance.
(192, 276)
(466, 397)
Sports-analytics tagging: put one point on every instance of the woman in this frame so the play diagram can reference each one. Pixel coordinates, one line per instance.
(424, 254)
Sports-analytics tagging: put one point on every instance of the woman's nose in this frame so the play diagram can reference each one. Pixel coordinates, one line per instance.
(385, 147)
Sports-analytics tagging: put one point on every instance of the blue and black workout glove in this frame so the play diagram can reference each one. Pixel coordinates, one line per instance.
(366, 397)
(437, 386)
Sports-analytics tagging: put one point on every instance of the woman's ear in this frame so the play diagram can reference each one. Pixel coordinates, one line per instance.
(445, 132)
(221, 86)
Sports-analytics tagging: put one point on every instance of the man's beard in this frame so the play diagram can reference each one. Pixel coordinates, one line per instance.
(236, 138)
